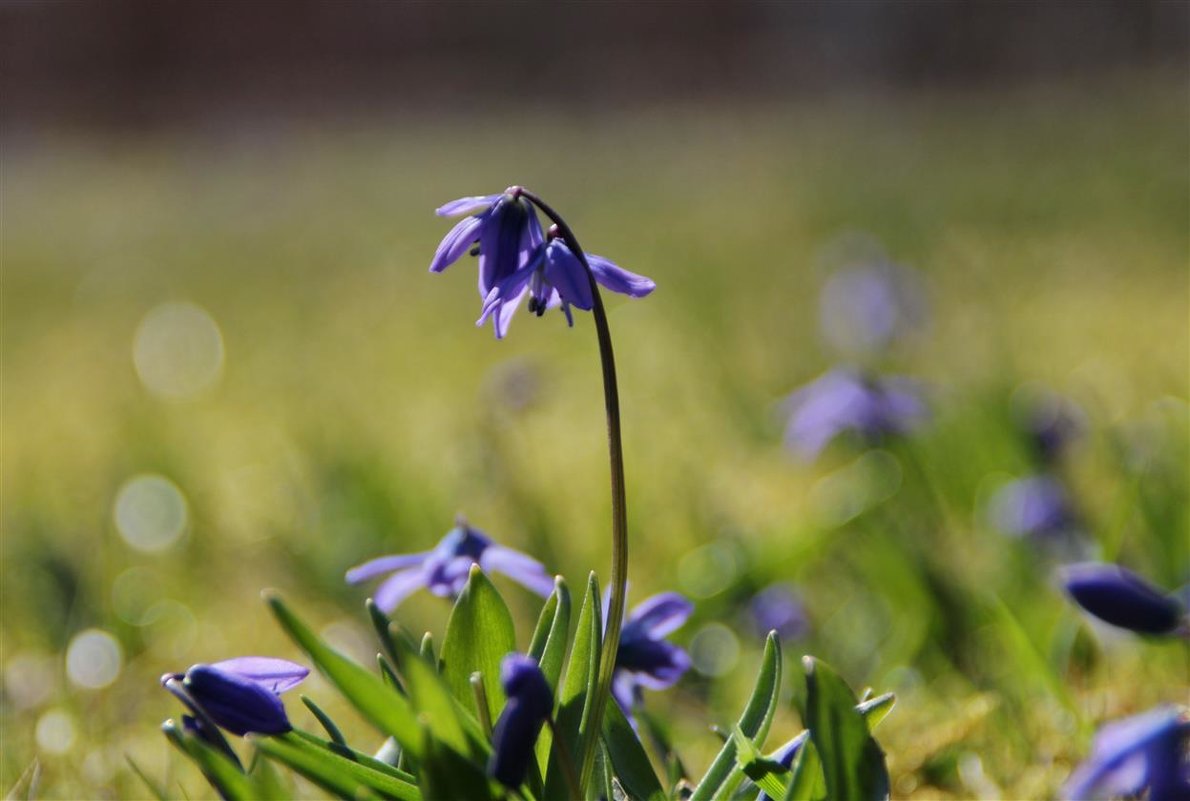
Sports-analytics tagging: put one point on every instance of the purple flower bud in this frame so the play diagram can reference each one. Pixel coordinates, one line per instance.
(240, 695)
(1122, 598)
(444, 570)
(1144, 752)
(530, 703)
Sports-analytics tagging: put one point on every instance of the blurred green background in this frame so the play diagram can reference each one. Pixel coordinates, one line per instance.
(225, 368)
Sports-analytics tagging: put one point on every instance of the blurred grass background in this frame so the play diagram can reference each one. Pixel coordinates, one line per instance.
(358, 409)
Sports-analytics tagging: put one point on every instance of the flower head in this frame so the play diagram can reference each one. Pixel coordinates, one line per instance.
(444, 570)
(1146, 751)
(846, 400)
(1037, 506)
(779, 608)
(530, 703)
(1120, 597)
(645, 659)
(864, 310)
(240, 695)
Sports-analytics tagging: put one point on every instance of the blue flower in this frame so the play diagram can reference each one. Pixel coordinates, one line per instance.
(778, 608)
(1122, 598)
(530, 703)
(1037, 506)
(240, 695)
(508, 235)
(444, 570)
(864, 310)
(555, 277)
(644, 658)
(846, 400)
(785, 756)
(1146, 751)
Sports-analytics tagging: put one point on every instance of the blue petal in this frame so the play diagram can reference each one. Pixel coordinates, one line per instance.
(237, 704)
(523, 569)
(1122, 598)
(466, 205)
(275, 675)
(385, 564)
(398, 587)
(514, 741)
(617, 279)
(457, 242)
(661, 614)
(566, 273)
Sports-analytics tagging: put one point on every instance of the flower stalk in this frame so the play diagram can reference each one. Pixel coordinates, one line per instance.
(619, 574)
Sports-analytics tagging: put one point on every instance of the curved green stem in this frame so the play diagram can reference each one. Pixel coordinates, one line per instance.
(619, 576)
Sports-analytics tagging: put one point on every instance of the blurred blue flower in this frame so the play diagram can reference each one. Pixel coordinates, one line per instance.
(555, 277)
(864, 310)
(1049, 422)
(644, 658)
(444, 570)
(508, 234)
(1037, 506)
(845, 400)
(779, 608)
(1147, 751)
(785, 756)
(514, 736)
(240, 695)
(1120, 597)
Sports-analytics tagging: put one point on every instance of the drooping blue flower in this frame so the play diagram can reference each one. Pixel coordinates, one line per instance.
(530, 703)
(240, 695)
(866, 309)
(507, 233)
(554, 277)
(1130, 756)
(1120, 597)
(444, 570)
(779, 608)
(645, 659)
(845, 400)
(785, 756)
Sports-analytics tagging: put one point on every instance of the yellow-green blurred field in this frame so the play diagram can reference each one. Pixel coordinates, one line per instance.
(357, 408)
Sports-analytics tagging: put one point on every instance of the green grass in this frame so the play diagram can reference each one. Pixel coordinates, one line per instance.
(358, 409)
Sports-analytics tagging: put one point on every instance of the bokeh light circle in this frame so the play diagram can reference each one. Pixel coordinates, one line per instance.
(150, 513)
(714, 650)
(178, 351)
(55, 732)
(93, 659)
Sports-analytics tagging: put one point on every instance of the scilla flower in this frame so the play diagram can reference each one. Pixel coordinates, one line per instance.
(1122, 598)
(864, 310)
(240, 695)
(846, 400)
(555, 277)
(645, 659)
(444, 570)
(504, 229)
(514, 736)
(1145, 752)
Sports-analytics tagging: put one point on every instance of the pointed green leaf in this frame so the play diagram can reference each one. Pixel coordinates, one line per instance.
(548, 645)
(479, 635)
(806, 783)
(434, 704)
(578, 689)
(629, 761)
(445, 774)
(876, 709)
(223, 774)
(763, 771)
(331, 770)
(725, 774)
(324, 719)
(267, 783)
(852, 763)
(383, 706)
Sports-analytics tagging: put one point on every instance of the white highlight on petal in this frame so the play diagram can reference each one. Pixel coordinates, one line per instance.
(178, 351)
(93, 659)
(150, 513)
(55, 732)
(714, 650)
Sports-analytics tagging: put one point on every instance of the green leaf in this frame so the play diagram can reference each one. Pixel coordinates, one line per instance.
(725, 774)
(347, 752)
(806, 783)
(224, 775)
(434, 703)
(383, 706)
(630, 763)
(876, 709)
(332, 772)
(267, 783)
(764, 772)
(156, 789)
(479, 635)
(852, 763)
(548, 645)
(324, 719)
(578, 690)
(445, 774)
